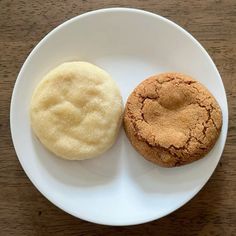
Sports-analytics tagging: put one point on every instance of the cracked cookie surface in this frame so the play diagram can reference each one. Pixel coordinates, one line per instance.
(172, 119)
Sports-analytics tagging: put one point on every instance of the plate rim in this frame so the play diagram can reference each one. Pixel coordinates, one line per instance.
(42, 41)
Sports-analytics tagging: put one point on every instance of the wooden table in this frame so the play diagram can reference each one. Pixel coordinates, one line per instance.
(24, 211)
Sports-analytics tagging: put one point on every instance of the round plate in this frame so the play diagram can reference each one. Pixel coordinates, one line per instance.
(119, 187)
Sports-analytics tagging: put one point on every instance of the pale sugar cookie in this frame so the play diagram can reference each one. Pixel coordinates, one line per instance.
(76, 111)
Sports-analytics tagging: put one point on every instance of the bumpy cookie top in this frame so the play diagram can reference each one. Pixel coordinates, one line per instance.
(174, 114)
(76, 110)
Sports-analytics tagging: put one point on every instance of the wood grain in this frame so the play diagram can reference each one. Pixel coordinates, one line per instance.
(24, 211)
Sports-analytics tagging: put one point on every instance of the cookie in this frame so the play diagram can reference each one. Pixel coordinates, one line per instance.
(172, 119)
(76, 111)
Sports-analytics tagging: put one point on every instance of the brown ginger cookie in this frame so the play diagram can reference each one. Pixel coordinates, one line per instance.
(172, 119)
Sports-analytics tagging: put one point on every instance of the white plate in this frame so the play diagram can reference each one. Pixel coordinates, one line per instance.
(119, 187)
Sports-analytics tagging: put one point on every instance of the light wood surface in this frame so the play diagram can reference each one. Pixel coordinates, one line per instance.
(24, 211)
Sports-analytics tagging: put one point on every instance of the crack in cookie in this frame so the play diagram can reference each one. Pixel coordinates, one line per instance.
(172, 119)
